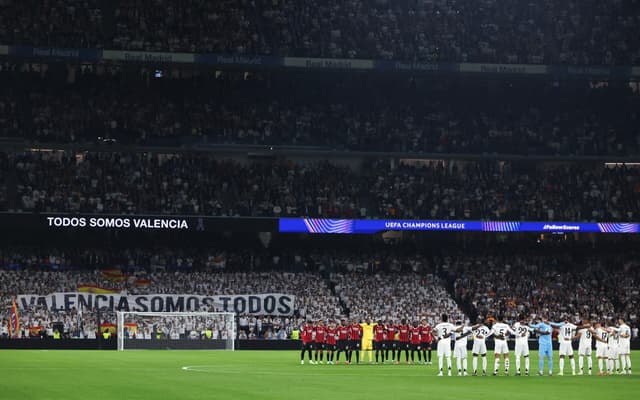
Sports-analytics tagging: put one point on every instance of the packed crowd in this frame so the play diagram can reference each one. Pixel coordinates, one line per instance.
(342, 112)
(202, 185)
(543, 31)
(393, 296)
(362, 287)
(569, 284)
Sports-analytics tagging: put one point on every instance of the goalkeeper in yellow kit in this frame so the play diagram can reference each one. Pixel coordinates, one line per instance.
(367, 340)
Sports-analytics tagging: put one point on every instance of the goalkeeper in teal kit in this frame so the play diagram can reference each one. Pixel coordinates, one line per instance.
(543, 329)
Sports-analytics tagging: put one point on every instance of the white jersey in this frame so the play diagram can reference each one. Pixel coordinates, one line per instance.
(604, 335)
(625, 342)
(566, 332)
(626, 331)
(586, 339)
(461, 341)
(613, 337)
(522, 332)
(442, 329)
(481, 333)
(501, 329)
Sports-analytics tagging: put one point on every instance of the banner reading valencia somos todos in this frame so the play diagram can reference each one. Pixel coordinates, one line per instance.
(95, 298)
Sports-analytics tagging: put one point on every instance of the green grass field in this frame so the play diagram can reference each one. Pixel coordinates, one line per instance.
(161, 374)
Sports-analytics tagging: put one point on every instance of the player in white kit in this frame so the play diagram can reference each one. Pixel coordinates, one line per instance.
(584, 347)
(602, 338)
(462, 333)
(612, 350)
(523, 332)
(566, 335)
(624, 348)
(501, 332)
(443, 332)
(480, 335)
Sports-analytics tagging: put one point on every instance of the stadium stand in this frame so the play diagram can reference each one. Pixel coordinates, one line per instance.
(544, 31)
(388, 285)
(201, 184)
(347, 112)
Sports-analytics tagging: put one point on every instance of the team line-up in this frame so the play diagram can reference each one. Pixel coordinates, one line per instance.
(389, 341)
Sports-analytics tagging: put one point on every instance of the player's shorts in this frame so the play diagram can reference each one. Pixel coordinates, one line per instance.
(584, 350)
(366, 344)
(415, 347)
(566, 348)
(612, 352)
(501, 347)
(522, 349)
(307, 346)
(354, 344)
(403, 346)
(378, 345)
(460, 351)
(545, 351)
(390, 345)
(624, 348)
(601, 352)
(425, 345)
(444, 348)
(319, 346)
(343, 344)
(330, 347)
(479, 347)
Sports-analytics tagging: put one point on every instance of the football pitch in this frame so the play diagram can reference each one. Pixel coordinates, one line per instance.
(165, 374)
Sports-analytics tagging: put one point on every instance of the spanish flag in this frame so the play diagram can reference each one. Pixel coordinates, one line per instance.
(113, 328)
(96, 289)
(114, 275)
(14, 320)
(142, 283)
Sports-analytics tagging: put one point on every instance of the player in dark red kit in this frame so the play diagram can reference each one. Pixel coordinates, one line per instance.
(343, 340)
(355, 335)
(426, 339)
(307, 341)
(378, 341)
(390, 343)
(403, 341)
(415, 342)
(331, 343)
(321, 333)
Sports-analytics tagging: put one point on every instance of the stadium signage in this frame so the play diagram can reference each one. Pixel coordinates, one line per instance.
(117, 222)
(622, 72)
(257, 304)
(55, 52)
(364, 226)
(148, 56)
(240, 60)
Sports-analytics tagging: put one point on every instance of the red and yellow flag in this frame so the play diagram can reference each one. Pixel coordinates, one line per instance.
(114, 275)
(14, 320)
(96, 289)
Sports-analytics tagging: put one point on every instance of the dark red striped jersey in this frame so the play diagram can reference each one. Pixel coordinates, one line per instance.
(355, 332)
(403, 330)
(415, 335)
(378, 333)
(425, 335)
(307, 334)
(391, 332)
(343, 332)
(321, 332)
(331, 335)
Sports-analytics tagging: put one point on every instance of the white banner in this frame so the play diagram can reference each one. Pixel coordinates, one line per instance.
(257, 304)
